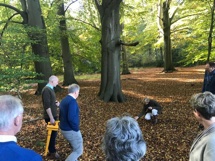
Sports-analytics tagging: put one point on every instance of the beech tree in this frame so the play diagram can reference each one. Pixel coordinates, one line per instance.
(31, 16)
(69, 77)
(210, 37)
(110, 88)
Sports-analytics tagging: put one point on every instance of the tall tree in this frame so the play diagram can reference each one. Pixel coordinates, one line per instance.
(210, 38)
(166, 24)
(69, 77)
(35, 27)
(110, 88)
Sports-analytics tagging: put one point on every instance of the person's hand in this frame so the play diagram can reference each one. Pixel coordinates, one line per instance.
(150, 108)
(52, 121)
(57, 103)
(136, 117)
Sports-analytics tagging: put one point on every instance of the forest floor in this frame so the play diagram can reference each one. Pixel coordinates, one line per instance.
(168, 140)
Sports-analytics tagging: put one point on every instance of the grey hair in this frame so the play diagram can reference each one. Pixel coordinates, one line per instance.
(123, 140)
(73, 88)
(10, 108)
(204, 103)
(52, 78)
(146, 99)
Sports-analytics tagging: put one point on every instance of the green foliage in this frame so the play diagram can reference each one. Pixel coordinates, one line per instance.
(16, 60)
(139, 17)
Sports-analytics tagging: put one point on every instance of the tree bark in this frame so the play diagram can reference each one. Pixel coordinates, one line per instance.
(39, 44)
(168, 64)
(210, 39)
(35, 28)
(69, 77)
(110, 87)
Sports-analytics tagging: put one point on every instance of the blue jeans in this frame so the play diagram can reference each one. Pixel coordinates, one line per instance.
(76, 141)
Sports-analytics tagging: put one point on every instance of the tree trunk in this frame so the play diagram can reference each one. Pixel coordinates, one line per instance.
(168, 64)
(125, 69)
(110, 88)
(66, 53)
(39, 44)
(210, 39)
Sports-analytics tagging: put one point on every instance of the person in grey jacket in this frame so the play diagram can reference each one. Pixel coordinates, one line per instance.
(203, 147)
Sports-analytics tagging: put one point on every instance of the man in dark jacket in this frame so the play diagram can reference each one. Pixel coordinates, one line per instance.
(151, 109)
(209, 80)
(50, 111)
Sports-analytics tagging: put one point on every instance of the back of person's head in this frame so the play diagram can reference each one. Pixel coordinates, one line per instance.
(73, 88)
(10, 108)
(123, 140)
(53, 78)
(146, 100)
(211, 64)
(204, 103)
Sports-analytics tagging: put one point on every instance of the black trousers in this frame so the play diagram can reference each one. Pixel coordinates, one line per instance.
(52, 138)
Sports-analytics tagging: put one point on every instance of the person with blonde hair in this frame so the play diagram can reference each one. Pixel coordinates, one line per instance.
(151, 109)
(11, 115)
(123, 140)
(203, 147)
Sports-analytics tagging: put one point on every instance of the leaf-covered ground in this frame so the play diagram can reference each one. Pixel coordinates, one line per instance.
(169, 140)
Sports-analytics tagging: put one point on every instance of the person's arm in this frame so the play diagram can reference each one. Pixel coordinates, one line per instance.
(49, 112)
(141, 114)
(47, 105)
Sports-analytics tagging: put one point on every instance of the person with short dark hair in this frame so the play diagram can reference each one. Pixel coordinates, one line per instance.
(11, 115)
(203, 147)
(70, 122)
(209, 79)
(123, 140)
(151, 109)
(50, 112)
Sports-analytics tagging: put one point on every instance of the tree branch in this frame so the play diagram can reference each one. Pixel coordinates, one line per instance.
(22, 13)
(11, 7)
(173, 14)
(181, 29)
(70, 5)
(6, 24)
(127, 44)
(86, 23)
(36, 119)
(186, 17)
(98, 5)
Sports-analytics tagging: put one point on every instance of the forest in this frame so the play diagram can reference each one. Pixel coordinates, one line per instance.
(71, 38)
(135, 48)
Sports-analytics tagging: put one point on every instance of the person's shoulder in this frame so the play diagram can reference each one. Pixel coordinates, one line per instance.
(210, 140)
(30, 154)
(18, 153)
(154, 101)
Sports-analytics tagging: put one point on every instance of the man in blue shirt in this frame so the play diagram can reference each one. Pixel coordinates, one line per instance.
(11, 111)
(70, 122)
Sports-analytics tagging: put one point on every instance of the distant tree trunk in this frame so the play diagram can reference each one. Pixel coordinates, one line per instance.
(66, 53)
(110, 88)
(125, 69)
(210, 39)
(39, 44)
(168, 64)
